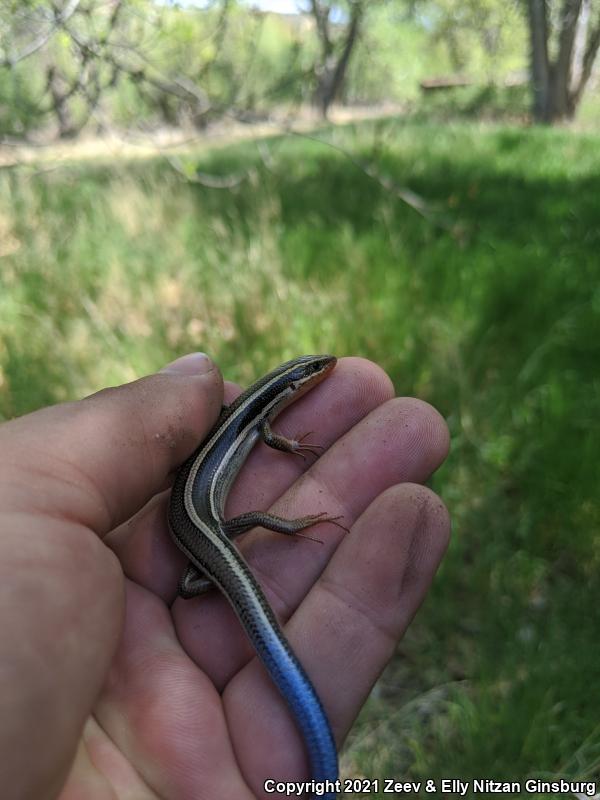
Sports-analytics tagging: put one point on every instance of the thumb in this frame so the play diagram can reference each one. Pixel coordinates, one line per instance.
(64, 470)
(98, 460)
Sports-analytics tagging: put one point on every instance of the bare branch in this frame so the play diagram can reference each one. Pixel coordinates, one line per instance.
(178, 85)
(403, 193)
(209, 180)
(60, 18)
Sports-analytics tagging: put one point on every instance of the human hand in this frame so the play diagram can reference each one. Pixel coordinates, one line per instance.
(111, 687)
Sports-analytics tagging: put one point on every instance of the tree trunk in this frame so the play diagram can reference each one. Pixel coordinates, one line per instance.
(561, 105)
(332, 73)
(558, 85)
(339, 73)
(60, 106)
(539, 66)
(591, 50)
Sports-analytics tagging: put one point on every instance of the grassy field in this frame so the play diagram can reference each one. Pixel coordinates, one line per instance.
(488, 307)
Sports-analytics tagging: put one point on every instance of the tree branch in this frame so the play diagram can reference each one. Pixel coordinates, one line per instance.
(568, 28)
(351, 36)
(321, 16)
(180, 86)
(591, 51)
(60, 18)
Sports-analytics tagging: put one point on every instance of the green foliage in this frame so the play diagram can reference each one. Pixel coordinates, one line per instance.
(482, 38)
(490, 310)
(393, 55)
(488, 102)
(244, 62)
(19, 111)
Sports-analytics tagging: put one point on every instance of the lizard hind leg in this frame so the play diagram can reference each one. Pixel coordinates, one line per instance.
(193, 583)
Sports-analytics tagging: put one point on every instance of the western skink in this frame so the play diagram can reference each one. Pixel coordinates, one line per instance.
(198, 527)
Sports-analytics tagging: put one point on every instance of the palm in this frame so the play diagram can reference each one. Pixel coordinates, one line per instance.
(182, 708)
(159, 728)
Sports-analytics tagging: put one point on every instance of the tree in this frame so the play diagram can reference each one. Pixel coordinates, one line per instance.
(563, 47)
(336, 43)
(481, 37)
(68, 59)
(79, 52)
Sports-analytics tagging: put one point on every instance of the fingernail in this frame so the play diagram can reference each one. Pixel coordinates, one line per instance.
(191, 364)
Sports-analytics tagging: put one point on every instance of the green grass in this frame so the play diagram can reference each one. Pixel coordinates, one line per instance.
(489, 309)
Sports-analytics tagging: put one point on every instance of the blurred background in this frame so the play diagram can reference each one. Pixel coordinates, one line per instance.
(414, 181)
